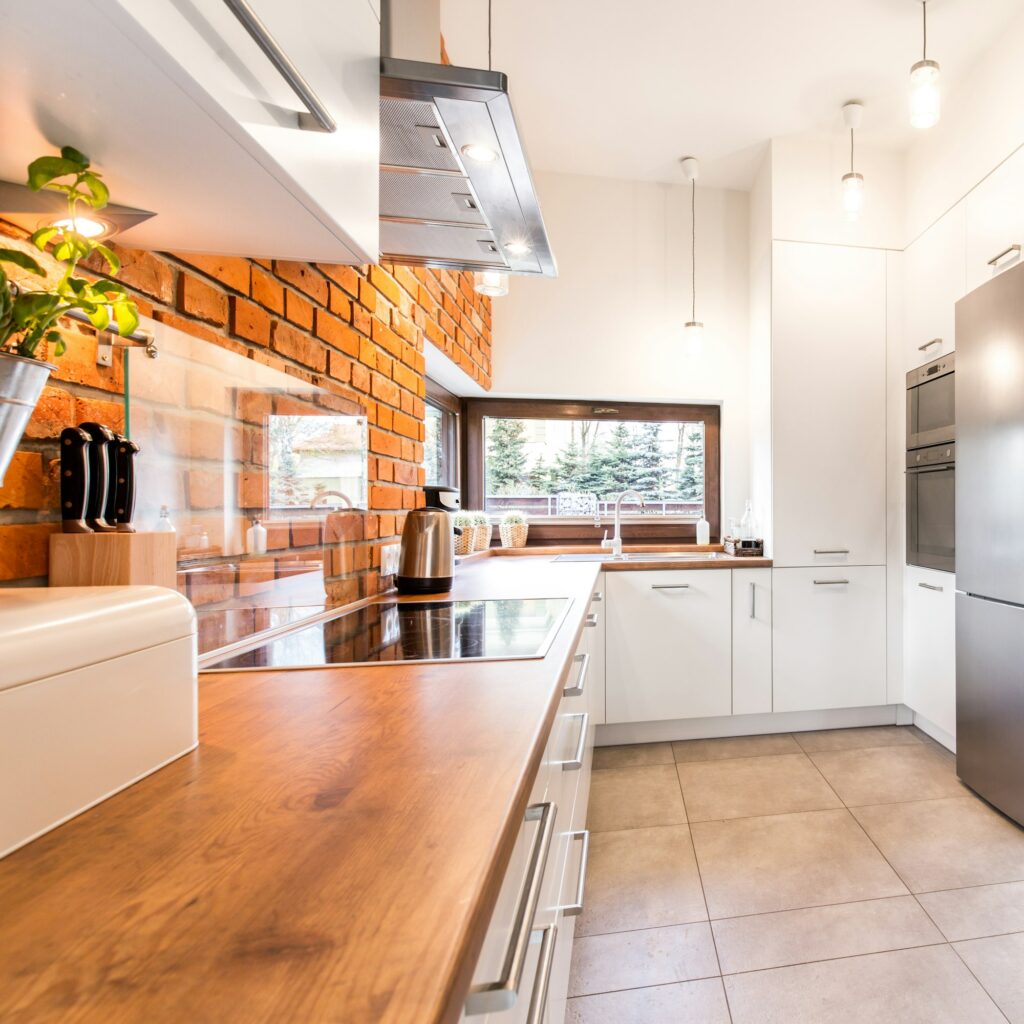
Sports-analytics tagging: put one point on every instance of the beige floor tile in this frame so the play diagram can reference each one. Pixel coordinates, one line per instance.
(788, 861)
(750, 786)
(850, 739)
(929, 985)
(635, 798)
(822, 933)
(887, 775)
(641, 878)
(946, 844)
(693, 1002)
(653, 956)
(632, 755)
(998, 963)
(978, 911)
(734, 746)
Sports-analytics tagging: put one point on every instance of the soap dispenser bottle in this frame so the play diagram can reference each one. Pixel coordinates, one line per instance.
(703, 530)
(256, 538)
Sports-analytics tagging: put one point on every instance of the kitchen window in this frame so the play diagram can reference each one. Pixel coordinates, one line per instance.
(441, 441)
(564, 463)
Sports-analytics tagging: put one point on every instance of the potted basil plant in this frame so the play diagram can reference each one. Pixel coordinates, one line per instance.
(30, 310)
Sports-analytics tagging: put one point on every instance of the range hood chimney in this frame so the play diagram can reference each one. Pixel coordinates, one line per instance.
(455, 185)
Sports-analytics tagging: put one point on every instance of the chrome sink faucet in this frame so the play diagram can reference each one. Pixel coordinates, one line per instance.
(615, 544)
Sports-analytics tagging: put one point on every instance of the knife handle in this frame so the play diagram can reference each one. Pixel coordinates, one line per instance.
(123, 489)
(99, 476)
(74, 479)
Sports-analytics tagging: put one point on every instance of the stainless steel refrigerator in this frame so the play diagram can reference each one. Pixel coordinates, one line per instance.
(990, 541)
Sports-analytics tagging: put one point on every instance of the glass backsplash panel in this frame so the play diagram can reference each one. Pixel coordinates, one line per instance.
(229, 448)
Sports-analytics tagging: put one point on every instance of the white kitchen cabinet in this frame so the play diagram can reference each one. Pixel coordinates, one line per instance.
(187, 118)
(828, 638)
(935, 278)
(828, 401)
(929, 652)
(995, 221)
(594, 638)
(669, 646)
(751, 641)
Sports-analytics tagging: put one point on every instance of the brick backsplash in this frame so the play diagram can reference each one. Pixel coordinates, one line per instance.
(357, 331)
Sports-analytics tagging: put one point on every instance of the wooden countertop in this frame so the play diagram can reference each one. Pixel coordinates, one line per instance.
(331, 852)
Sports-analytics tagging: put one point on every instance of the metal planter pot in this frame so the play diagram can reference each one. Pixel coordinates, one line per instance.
(21, 383)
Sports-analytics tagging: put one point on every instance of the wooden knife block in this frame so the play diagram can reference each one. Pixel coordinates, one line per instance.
(113, 559)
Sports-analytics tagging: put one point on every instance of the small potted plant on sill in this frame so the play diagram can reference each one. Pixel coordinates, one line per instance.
(481, 531)
(463, 541)
(30, 310)
(513, 529)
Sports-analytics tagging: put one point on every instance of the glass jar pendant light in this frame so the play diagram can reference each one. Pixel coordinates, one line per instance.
(693, 330)
(853, 183)
(925, 95)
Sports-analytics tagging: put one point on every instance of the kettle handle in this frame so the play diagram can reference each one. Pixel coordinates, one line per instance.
(458, 531)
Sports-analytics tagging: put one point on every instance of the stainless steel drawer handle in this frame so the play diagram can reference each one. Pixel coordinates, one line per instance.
(491, 997)
(542, 979)
(753, 600)
(576, 763)
(591, 620)
(928, 344)
(670, 586)
(597, 598)
(831, 551)
(1015, 248)
(583, 660)
(930, 586)
(317, 119)
(582, 837)
(830, 583)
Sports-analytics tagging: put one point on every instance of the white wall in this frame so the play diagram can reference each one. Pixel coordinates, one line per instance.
(610, 326)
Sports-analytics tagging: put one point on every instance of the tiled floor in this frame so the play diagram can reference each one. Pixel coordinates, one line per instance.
(812, 878)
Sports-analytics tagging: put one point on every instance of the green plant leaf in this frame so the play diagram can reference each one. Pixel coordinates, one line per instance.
(33, 306)
(127, 316)
(75, 156)
(111, 288)
(41, 238)
(99, 316)
(21, 259)
(109, 255)
(44, 169)
(100, 194)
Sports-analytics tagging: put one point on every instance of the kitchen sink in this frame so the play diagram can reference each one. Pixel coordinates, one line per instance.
(646, 556)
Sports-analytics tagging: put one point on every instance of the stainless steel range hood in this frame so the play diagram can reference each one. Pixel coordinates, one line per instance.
(438, 206)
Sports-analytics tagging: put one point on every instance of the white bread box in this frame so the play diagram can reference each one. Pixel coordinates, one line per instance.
(97, 690)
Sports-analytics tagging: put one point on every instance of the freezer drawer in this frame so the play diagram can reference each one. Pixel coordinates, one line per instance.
(990, 701)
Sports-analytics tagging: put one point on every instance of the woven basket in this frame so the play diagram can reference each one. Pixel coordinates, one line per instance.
(481, 538)
(464, 541)
(513, 535)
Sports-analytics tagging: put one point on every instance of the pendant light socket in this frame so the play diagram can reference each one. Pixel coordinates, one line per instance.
(691, 168)
(853, 114)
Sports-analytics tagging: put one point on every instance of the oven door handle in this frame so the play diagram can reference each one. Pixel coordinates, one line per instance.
(947, 467)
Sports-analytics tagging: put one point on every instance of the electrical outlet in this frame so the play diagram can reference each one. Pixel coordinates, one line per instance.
(389, 559)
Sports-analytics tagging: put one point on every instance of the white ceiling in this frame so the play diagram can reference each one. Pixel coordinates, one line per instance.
(624, 88)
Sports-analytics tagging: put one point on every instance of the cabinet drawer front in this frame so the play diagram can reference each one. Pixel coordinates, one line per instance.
(828, 638)
(668, 645)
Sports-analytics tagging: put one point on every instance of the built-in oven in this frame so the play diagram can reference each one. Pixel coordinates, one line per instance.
(930, 407)
(931, 506)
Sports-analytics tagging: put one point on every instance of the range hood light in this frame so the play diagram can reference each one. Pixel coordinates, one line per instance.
(518, 248)
(491, 283)
(481, 154)
(86, 226)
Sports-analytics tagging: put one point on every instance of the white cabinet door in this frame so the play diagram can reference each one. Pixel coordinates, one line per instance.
(594, 636)
(828, 404)
(929, 652)
(751, 641)
(668, 645)
(995, 222)
(935, 267)
(828, 638)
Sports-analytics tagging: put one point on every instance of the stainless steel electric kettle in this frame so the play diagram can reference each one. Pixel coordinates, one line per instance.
(426, 564)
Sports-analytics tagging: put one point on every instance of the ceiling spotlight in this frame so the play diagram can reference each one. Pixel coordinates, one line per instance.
(853, 183)
(480, 153)
(518, 248)
(492, 283)
(925, 95)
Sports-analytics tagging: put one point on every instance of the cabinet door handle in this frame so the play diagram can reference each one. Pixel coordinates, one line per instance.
(576, 763)
(542, 979)
(928, 344)
(583, 660)
(317, 118)
(670, 586)
(1015, 248)
(582, 837)
(830, 583)
(930, 586)
(591, 620)
(598, 597)
(491, 997)
(753, 601)
(831, 551)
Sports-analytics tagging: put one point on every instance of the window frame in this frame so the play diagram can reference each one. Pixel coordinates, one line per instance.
(451, 434)
(474, 411)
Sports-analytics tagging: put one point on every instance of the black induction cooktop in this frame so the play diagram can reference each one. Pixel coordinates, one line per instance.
(491, 630)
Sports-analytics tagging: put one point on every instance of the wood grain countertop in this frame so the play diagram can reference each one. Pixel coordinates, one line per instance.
(331, 851)
(718, 560)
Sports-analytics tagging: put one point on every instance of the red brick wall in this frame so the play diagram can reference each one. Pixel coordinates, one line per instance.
(359, 331)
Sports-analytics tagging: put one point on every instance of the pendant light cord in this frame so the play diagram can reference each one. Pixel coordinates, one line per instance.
(693, 249)
(924, 29)
(489, 12)
(851, 151)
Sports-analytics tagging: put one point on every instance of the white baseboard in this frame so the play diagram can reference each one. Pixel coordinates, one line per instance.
(937, 734)
(747, 725)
